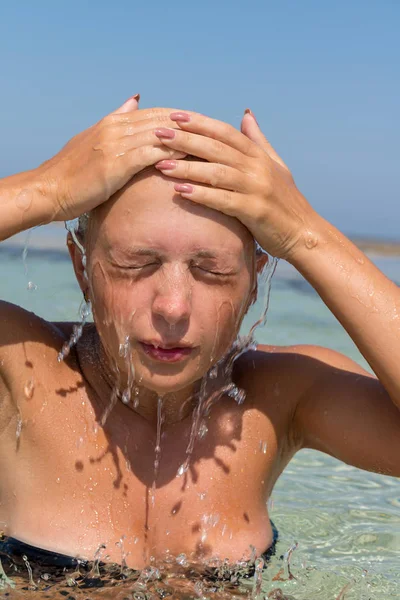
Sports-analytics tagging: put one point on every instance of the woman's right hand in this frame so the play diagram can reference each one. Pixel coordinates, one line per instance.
(102, 159)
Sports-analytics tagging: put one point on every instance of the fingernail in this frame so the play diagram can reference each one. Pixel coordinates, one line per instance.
(185, 188)
(180, 116)
(248, 111)
(166, 165)
(136, 97)
(163, 132)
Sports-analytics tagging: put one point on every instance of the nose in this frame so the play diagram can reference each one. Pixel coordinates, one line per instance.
(172, 301)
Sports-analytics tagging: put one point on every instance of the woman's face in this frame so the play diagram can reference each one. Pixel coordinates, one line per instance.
(172, 277)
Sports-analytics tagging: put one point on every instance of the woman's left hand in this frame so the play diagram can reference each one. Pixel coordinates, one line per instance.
(244, 178)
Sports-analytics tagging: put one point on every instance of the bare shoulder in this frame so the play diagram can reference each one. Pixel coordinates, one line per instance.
(276, 378)
(302, 363)
(25, 340)
(18, 326)
(319, 357)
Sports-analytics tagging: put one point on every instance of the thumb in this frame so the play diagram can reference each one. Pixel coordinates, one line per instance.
(250, 128)
(131, 104)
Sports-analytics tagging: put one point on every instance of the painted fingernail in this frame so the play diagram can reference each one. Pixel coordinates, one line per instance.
(180, 116)
(248, 111)
(166, 165)
(163, 132)
(184, 188)
(136, 97)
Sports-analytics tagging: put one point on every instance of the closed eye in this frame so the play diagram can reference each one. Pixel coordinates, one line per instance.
(136, 267)
(213, 272)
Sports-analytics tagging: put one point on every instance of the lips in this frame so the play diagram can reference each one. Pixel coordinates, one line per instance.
(166, 353)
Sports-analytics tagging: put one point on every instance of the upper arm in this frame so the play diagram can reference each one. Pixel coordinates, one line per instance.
(347, 413)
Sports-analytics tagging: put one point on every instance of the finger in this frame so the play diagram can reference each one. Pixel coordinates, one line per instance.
(131, 162)
(137, 115)
(211, 150)
(131, 104)
(225, 201)
(213, 174)
(129, 139)
(218, 130)
(251, 129)
(131, 127)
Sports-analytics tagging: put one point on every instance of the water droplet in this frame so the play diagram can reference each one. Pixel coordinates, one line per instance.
(213, 372)
(182, 560)
(263, 447)
(29, 389)
(126, 396)
(237, 394)
(32, 287)
(203, 430)
(124, 347)
(86, 309)
(311, 240)
(182, 469)
(199, 589)
(19, 428)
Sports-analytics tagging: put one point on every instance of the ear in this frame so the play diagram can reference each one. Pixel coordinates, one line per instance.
(76, 258)
(261, 262)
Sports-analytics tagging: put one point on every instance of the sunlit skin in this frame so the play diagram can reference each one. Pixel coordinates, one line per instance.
(165, 271)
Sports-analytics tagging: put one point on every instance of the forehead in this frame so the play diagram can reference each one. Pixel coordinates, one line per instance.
(149, 212)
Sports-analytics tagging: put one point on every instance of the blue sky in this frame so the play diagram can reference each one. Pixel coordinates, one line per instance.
(323, 79)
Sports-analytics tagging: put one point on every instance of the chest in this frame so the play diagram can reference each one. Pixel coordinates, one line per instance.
(72, 485)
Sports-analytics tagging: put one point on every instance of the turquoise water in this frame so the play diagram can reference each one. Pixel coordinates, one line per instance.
(346, 521)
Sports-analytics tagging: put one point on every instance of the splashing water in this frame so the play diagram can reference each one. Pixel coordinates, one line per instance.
(32, 584)
(30, 286)
(77, 331)
(72, 227)
(157, 449)
(85, 308)
(258, 571)
(110, 406)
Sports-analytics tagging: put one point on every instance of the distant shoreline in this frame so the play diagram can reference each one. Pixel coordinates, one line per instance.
(377, 247)
(53, 237)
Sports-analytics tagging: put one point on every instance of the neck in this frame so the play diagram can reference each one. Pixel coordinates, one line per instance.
(99, 372)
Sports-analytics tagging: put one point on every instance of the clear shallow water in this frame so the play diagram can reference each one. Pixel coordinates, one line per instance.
(346, 521)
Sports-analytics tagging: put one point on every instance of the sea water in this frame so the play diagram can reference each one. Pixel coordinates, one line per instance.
(339, 526)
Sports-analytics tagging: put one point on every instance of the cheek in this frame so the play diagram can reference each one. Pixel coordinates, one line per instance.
(220, 315)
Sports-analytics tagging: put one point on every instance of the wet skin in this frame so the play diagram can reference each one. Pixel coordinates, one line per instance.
(69, 484)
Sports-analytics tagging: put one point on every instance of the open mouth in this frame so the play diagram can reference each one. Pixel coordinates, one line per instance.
(166, 354)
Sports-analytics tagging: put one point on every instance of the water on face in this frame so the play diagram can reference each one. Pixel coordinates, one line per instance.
(346, 522)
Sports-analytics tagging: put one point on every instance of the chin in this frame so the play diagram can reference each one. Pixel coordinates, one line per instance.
(166, 383)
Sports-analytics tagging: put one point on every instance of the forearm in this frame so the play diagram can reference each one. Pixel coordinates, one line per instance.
(23, 203)
(360, 296)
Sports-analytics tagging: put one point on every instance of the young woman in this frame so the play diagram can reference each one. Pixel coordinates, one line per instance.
(170, 269)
